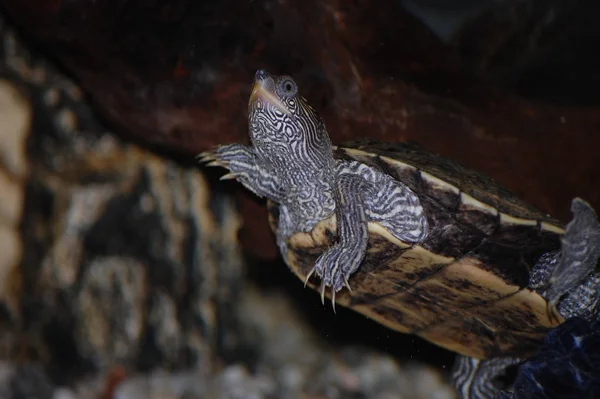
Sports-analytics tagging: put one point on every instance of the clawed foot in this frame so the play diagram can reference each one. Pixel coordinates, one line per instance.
(242, 165)
(234, 157)
(334, 268)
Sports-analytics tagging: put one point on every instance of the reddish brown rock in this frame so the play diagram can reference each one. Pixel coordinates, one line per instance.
(178, 75)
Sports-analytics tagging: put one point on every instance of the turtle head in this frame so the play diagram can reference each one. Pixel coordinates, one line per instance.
(283, 125)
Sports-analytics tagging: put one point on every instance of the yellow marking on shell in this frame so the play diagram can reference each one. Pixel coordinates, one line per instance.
(465, 198)
(437, 182)
(431, 179)
(552, 228)
(508, 219)
(466, 201)
(363, 154)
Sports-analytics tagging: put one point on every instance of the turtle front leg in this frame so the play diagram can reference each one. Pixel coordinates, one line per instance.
(335, 266)
(364, 194)
(244, 167)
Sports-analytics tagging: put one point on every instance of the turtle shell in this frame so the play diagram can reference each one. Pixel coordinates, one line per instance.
(465, 287)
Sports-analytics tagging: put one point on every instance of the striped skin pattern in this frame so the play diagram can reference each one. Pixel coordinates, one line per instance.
(474, 378)
(291, 162)
(365, 195)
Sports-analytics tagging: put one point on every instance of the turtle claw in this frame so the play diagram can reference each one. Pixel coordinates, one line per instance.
(216, 163)
(333, 300)
(205, 156)
(323, 286)
(322, 289)
(211, 158)
(228, 176)
(328, 268)
(346, 284)
(308, 276)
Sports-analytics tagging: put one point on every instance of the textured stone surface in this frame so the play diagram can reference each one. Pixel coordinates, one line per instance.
(111, 254)
(376, 377)
(293, 362)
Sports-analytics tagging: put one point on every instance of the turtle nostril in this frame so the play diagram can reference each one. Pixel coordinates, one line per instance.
(261, 74)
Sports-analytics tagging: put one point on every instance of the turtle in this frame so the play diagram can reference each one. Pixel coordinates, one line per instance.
(417, 242)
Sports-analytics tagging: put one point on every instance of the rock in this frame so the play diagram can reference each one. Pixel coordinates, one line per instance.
(24, 381)
(111, 253)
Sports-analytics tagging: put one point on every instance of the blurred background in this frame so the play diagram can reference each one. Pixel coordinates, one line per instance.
(128, 271)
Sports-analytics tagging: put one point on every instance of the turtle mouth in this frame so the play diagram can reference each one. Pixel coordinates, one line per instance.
(263, 91)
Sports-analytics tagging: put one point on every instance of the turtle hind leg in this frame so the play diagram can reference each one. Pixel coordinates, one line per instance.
(574, 284)
(478, 379)
(583, 301)
(394, 206)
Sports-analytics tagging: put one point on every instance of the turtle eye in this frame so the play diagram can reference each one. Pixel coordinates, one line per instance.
(288, 87)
